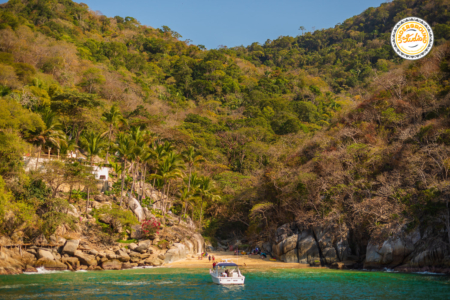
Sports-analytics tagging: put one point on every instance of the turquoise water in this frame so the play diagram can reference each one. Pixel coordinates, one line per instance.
(167, 283)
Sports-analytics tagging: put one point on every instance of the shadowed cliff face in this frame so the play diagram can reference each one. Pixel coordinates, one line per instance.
(420, 249)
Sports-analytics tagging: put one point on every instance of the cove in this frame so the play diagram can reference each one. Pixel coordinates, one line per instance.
(171, 283)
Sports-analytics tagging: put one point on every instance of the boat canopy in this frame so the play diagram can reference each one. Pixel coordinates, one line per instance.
(226, 264)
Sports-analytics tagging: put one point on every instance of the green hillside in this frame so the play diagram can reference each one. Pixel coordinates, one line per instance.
(328, 126)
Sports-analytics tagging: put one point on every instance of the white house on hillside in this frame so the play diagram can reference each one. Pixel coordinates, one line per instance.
(101, 173)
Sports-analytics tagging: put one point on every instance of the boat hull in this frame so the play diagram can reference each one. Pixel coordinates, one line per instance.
(228, 280)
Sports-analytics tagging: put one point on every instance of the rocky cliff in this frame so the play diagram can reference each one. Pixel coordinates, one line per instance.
(80, 249)
(418, 249)
(315, 246)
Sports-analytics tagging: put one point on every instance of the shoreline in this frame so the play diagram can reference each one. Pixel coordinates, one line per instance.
(243, 261)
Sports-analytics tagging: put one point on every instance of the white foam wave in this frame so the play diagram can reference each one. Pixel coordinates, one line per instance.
(130, 283)
(428, 273)
(139, 282)
(163, 282)
(15, 286)
(387, 270)
(42, 270)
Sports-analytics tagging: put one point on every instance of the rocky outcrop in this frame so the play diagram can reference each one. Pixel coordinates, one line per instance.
(143, 246)
(198, 242)
(49, 264)
(176, 252)
(70, 247)
(155, 262)
(308, 249)
(45, 254)
(112, 265)
(410, 251)
(136, 208)
(315, 246)
(71, 262)
(122, 256)
(85, 259)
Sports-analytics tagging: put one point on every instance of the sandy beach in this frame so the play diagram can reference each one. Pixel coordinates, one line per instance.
(244, 261)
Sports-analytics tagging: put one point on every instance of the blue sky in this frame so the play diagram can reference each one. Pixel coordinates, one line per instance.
(234, 22)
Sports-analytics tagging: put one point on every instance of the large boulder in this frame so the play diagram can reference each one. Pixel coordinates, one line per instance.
(85, 259)
(308, 250)
(134, 254)
(30, 269)
(198, 242)
(122, 256)
(136, 207)
(285, 250)
(112, 265)
(72, 261)
(143, 246)
(177, 252)
(284, 231)
(70, 247)
(42, 253)
(392, 252)
(50, 264)
(129, 265)
(132, 246)
(190, 247)
(156, 262)
(328, 238)
(110, 254)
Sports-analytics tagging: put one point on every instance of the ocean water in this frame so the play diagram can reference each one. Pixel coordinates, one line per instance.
(171, 283)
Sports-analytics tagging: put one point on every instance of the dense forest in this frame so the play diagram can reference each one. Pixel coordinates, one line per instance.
(329, 126)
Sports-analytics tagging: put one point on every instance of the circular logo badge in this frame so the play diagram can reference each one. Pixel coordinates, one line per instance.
(412, 38)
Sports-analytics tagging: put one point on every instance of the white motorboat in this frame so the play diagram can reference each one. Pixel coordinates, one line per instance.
(227, 273)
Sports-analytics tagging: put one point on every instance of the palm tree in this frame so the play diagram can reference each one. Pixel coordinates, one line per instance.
(169, 169)
(205, 191)
(191, 157)
(49, 136)
(114, 118)
(157, 154)
(125, 148)
(67, 145)
(141, 139)
(93, 143)
(194, 181)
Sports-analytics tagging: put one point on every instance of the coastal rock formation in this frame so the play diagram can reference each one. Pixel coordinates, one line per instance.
(112, 265)
(85, 259)
(415, 250)
(136, 208)
(314, 246)
(45, 254)
(70, 247)
(176, 252)
(143, 246)
(122, 256)
(71, 262)
(49, 264)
